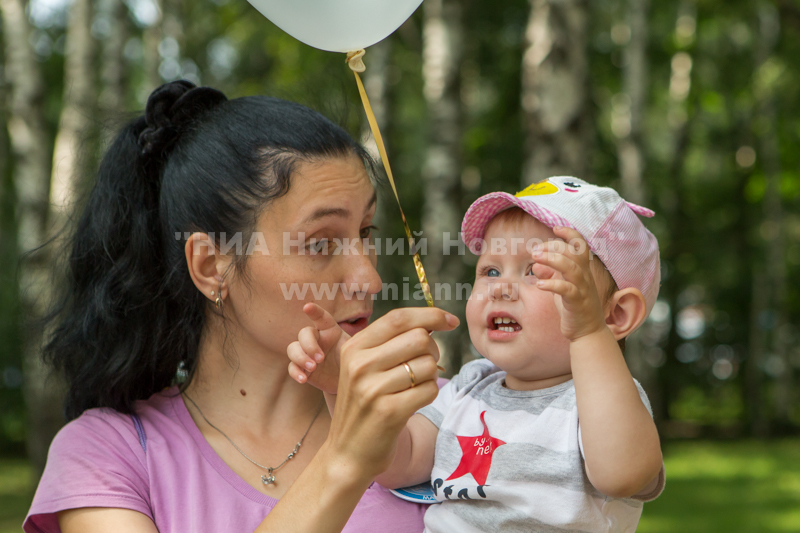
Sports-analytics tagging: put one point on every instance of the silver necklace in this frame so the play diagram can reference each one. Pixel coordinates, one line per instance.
(269, 477)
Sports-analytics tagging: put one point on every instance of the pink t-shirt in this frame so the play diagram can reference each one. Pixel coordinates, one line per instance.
(166, 470)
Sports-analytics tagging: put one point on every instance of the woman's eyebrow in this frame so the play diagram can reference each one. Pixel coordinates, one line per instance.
(339, 212)
(322, 212)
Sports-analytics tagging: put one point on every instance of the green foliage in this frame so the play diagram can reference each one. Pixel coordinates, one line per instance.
(719, 406)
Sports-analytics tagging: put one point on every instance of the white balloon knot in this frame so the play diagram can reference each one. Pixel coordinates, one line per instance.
(355, 60)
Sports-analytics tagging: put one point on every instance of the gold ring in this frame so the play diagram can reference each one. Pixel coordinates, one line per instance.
(410, 375)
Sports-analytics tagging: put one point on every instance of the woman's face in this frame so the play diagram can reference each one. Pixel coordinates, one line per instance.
(312, 251)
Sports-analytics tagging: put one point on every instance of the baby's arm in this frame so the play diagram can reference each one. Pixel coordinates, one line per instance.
(620, 441)
(314, 359)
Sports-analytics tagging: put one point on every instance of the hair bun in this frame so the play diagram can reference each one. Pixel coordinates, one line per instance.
(169, 108)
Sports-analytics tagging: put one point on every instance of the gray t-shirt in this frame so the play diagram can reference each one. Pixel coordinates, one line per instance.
(510, 460)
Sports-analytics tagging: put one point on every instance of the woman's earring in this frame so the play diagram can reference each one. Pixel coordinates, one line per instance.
(218, 301)
(182, 373)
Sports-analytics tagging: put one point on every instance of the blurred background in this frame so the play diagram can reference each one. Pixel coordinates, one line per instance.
(690, 107)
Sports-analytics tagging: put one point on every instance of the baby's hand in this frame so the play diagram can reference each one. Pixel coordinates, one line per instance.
(575, 290)
(315, 355)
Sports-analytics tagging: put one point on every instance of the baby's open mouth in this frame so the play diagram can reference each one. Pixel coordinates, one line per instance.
(506, 324)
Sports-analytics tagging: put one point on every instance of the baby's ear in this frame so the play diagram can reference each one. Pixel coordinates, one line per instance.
(625, 312)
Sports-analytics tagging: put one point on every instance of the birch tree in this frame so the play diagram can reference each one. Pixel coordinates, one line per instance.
(554, 90)
(75, 123)
(112, 69)
(30, 144)
(6, 193)
(627, 126)
(151, 39)
(377, 87)
(9, 323)
(375, 83)
(631, 117)
(441, 56)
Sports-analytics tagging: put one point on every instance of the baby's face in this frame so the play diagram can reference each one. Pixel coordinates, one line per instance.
(530, 347)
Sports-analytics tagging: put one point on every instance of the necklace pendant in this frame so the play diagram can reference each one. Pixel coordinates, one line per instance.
(268, 480)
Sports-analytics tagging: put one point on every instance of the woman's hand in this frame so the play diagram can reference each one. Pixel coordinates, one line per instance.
(375, 393)
(375, 400)
(314, 356)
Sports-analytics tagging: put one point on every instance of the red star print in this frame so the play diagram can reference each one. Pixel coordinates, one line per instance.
(476, 455)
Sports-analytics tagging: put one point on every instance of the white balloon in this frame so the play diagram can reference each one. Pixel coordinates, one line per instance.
(337, 25)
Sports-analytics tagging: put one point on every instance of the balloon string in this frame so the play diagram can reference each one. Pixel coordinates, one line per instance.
(356, 64)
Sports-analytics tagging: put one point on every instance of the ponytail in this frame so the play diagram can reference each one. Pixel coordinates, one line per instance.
(113, 272)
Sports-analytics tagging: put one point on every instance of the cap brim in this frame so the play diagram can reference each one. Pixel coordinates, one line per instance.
(485, 208)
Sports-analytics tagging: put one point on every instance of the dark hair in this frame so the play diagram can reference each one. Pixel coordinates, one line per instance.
(194, 162)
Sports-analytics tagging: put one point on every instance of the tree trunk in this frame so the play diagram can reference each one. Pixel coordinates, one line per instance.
(627, 127)
(173, 23)
(30, 144)
(9, 316)
(377, 61)
(375, 83)
(554, 90)
(151, 38)
(442, 50)
(70, 164)
(634, 83)
(6, 192)
(675, 283)
(675, 204)
(769, 309)
(112, 70)
(759, 425)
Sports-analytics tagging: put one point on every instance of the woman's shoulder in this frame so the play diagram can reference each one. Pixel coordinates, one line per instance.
(106, 427)
(95, 431)
(99, 460)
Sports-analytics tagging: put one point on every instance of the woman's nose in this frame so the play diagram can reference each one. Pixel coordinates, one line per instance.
(503, 290)
(361, 271)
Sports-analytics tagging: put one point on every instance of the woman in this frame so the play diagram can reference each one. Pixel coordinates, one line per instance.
(204, 213)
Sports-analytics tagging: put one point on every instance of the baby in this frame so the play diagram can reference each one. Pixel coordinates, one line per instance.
(549, 432)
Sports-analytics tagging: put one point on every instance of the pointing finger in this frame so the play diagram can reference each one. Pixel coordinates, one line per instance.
(322, 319)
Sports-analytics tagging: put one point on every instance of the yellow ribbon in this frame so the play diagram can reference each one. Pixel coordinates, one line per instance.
(356, 64)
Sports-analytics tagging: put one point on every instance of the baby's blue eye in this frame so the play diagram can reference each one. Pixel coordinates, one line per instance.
(493, 273)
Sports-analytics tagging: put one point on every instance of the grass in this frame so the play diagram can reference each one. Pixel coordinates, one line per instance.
(16, 492)
(739, 487)
(726, 487)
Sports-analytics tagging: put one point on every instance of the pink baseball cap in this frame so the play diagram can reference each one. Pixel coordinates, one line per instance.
(608, 223)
